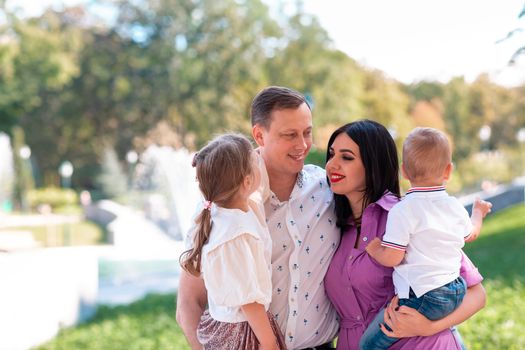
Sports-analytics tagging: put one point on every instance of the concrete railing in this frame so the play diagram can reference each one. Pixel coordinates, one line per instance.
(501, 197)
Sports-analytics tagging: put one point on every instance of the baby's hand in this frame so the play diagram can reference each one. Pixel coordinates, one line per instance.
(373, 245)
(483, 207)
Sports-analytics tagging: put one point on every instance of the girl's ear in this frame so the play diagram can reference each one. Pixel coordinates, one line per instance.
(247, 182)
(258, 134)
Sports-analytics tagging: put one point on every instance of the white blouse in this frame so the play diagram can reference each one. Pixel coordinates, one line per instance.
(236, 263)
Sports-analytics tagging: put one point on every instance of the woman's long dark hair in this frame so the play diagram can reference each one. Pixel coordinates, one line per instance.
(379, 156)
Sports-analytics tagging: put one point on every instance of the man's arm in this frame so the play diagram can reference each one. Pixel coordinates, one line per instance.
(385, 256)
(191, 303)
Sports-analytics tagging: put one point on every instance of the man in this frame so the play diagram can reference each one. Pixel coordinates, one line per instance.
(300, 218)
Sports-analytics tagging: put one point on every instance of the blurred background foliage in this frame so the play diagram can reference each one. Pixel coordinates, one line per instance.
(88, 88)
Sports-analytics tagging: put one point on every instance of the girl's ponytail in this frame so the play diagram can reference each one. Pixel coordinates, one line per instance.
(190, 260)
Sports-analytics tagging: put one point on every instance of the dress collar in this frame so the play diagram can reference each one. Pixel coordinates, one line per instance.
(387, 201)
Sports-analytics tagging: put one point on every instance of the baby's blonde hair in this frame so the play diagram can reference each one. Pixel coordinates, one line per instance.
(426, 154)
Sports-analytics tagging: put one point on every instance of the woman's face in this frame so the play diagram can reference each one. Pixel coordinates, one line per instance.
(345, 169)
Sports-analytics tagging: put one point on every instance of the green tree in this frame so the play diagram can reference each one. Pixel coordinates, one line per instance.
(206, 58)
(463, 129)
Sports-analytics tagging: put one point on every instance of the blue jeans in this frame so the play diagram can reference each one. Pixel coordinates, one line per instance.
(434, 305)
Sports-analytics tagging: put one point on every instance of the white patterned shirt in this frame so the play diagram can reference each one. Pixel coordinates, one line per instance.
(304, 238)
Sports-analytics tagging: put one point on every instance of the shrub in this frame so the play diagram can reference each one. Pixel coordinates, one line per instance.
(316, 156)
(52, 196)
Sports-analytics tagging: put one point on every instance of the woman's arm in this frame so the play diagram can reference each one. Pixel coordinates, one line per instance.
(191, 303)
(407, 322)
(260, 324)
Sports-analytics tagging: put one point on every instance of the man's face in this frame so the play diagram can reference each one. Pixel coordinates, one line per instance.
(287, 141)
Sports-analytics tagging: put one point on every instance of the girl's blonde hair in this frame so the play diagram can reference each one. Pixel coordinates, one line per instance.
(221, 168)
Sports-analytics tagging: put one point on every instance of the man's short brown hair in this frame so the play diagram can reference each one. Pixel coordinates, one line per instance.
(271, 99)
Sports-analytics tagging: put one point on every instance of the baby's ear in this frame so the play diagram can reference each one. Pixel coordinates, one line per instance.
(448, 171)
(404, 172)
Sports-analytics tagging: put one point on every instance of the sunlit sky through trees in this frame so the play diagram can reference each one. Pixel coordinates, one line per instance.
(409, 40)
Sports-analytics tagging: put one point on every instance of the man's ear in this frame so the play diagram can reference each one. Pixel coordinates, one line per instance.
(257, 134)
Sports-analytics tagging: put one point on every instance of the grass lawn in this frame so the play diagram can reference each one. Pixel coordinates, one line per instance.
(499, 255)
(150, 323)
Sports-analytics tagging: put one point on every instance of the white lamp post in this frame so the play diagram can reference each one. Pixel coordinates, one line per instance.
(26, 175)
(25, 152)
(131, 157)
(484, 134)
(66, 171)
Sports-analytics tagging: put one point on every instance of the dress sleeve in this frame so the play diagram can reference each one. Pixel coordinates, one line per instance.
(469, 272)
(443, 340)
(236, 273)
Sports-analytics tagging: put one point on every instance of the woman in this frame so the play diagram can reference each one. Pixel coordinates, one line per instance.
(363, 171)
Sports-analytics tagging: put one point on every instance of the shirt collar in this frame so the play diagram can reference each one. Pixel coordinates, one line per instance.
(438, 190)
(302, 177)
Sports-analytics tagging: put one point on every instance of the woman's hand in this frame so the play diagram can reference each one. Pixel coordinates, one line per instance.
(405, 321)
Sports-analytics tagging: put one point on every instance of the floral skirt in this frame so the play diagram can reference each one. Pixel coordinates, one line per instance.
(216, 335)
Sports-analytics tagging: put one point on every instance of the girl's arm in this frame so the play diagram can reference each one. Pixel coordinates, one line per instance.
(260, 324)
(407, 322)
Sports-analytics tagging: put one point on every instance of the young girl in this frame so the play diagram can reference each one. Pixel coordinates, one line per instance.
(232, 250)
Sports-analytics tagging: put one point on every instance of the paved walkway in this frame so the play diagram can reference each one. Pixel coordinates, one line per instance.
(25, 220)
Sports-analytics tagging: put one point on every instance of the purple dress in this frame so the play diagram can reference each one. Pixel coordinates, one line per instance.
(359, 287)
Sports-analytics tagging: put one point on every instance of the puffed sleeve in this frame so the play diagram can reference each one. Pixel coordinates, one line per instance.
(236, 273)
(469, 272)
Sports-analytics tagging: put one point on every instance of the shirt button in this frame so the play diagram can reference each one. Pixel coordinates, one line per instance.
(365, 239)
(350, 257)
(292, 300)
(358, 317)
